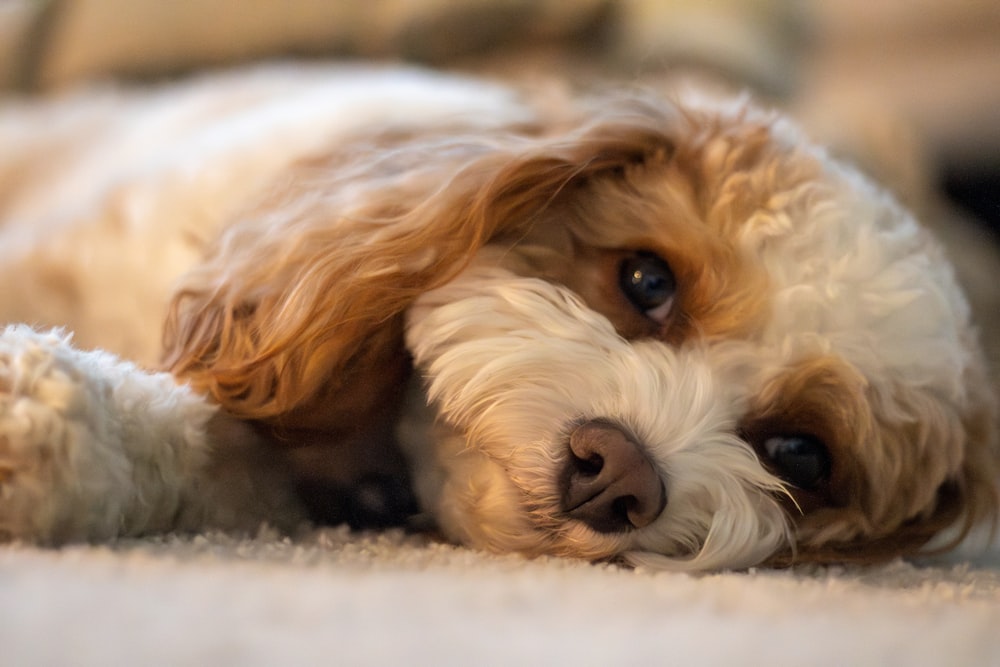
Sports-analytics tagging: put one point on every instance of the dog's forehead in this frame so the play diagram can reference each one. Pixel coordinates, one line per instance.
(852, 274)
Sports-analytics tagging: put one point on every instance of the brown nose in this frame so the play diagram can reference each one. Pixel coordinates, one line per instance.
(608, 483)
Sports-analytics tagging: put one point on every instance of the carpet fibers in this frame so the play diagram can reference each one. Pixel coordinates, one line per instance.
(333, 597)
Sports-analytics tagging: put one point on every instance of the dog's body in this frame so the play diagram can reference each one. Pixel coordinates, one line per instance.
(662, 327)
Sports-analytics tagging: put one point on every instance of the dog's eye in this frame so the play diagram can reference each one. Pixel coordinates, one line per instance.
(801, 460)
(647, 281)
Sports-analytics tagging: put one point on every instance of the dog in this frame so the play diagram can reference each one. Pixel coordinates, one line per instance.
(659, 327)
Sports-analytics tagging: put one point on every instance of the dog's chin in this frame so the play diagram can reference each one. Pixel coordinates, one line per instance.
(510, 365)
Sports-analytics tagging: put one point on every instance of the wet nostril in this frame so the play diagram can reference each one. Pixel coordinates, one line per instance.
(608, 482)
(622, 507)
(589, 466)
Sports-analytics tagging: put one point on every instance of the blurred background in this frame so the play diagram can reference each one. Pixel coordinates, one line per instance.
(909, 89)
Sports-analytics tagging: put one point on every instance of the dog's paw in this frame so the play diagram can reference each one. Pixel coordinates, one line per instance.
(63, 474)
(93, 448)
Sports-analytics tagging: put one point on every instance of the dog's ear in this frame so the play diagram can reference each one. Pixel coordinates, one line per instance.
(296, 309)
(970, 501)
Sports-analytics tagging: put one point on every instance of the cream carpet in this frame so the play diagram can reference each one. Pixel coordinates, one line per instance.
(334, 598)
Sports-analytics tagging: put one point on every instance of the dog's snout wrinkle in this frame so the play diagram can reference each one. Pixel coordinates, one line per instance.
(609, 483)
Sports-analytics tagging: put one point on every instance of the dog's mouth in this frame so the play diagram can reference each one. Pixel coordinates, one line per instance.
(608, 482)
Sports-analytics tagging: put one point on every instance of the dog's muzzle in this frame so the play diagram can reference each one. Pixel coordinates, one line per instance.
(609, 483)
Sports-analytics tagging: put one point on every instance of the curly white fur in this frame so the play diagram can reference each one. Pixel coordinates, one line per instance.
(91, 447)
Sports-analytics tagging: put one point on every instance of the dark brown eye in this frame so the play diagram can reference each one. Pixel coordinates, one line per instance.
(801, 460)
(647, 282)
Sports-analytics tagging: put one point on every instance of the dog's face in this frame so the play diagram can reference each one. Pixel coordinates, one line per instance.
(672, 331)
(730, 350)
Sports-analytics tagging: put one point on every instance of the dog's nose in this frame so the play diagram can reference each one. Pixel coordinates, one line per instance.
(609, 484)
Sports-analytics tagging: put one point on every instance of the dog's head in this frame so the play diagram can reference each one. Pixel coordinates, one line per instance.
(674, 331)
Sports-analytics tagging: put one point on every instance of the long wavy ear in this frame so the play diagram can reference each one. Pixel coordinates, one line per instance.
(294, 316)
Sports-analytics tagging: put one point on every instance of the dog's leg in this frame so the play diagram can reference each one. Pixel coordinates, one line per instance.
(93, 448)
